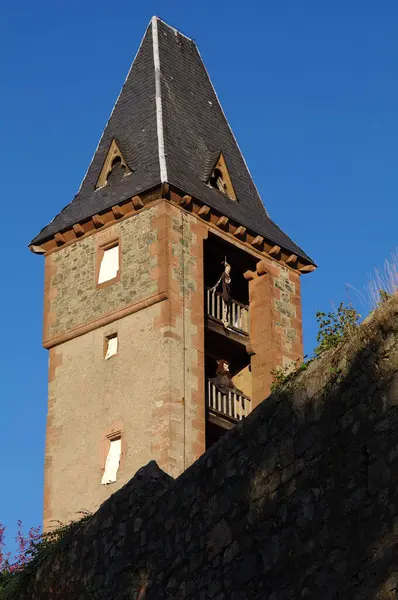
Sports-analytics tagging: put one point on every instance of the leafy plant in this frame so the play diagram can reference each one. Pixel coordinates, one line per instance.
(334, 326)
(18, 572)
(281, 375)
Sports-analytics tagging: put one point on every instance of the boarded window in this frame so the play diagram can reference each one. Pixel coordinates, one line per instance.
(111, 346)
(112, 462)
(109, 266)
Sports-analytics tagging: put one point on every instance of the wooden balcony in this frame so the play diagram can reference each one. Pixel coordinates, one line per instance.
(226, 410)
(236, 319)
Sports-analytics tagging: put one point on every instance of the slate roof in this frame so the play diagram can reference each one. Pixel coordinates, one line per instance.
(174, 102)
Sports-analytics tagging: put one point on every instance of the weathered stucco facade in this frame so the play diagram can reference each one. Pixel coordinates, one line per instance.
(153, 391)
(89, 397)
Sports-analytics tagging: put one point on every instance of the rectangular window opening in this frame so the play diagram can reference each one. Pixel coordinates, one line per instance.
(109, 265)
(112, 461)
(111, 346)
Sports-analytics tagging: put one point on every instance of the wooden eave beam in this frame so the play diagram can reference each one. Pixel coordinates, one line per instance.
(98, 221)
(291, 260)
(275, 250)
(240, 231)
(60, 239)
(204, 211)
(78, 229)
(307, 269)
(258, 241)
(37, 249)
(137, 202)
(118, 213)
(186, 201)
(222, 222)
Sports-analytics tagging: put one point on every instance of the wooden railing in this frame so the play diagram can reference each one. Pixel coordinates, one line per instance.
(234, 406)
(237, 316)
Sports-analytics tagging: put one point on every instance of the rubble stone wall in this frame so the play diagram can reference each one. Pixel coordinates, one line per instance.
(72, 296)
(298, 501)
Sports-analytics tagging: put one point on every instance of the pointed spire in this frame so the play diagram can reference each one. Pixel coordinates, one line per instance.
(168, 127)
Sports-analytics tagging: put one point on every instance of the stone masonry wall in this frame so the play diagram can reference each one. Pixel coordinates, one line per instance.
(275, 323)
(90, 397)
(152, 391)
(298, 501)
(179, 428)
(72, 298)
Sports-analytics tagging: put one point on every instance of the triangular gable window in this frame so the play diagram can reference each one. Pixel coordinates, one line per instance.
(113, 162)
(220, 179)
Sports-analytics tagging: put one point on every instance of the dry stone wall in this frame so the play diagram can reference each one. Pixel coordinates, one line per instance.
(298, 501)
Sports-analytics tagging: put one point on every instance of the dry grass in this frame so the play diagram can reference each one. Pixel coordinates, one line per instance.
(382, 283)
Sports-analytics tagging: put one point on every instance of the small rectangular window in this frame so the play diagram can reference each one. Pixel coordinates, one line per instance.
(111, 346)
(112, 461)
(109, 265)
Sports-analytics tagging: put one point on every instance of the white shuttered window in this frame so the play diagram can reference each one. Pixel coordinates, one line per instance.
(111, 346)
(109, 266)
(112, 462)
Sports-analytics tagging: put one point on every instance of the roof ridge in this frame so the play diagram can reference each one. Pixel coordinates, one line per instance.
(158, 101)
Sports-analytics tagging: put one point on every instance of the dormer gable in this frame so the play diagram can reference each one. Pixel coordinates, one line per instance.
(114, 162)
(220, 178)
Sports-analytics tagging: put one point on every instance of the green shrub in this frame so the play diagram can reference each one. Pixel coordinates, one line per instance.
(281, 375)
(335, 326)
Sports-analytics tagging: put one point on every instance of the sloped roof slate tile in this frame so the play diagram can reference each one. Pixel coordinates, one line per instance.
(194, 129)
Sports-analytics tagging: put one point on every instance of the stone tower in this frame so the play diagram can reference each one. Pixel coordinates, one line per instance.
(170, 294)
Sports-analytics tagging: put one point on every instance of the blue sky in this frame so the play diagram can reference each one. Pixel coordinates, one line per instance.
(311, 91)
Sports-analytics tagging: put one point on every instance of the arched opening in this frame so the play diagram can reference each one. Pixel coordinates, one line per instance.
(115, 161)
(217, 181)
(118, 169)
